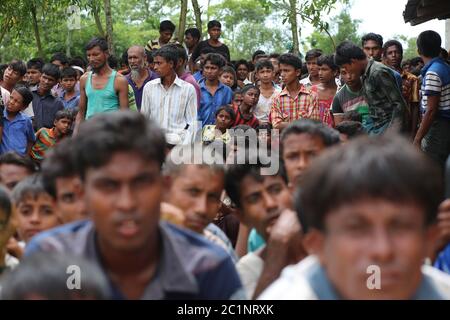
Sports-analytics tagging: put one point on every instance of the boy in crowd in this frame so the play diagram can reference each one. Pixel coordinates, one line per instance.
(191, 39)
(374, 246)
(34, 72)
(214, 32)
(295, 101)
(45, 105)
(18, 134)
(141, 257)
(372, 45)
(265, 71)
(69, 96)
(313, 69)
(47, 138)
(214, 93)
(166, 30)
(14, 168)
(242, 70)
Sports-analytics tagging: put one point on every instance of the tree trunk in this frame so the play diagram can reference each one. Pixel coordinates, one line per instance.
(182, 23)
(36, 31)
(98, 21)
(109, 26)
(294, 27)
(198, 16)
(68, 42)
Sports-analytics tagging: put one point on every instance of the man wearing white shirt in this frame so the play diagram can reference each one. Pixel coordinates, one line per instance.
(170, 101)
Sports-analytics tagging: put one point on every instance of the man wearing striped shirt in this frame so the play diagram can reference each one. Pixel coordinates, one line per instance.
(170, 101)
(434, 131)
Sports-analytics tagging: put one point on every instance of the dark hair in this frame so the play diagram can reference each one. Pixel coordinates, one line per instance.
(207, 50)
(327, 60)
(328, 135)
(64, 114)
(405, 63)
(214, 24)
(113, 132)
(391, 43)
(181, 52)
(97, 42)
(216, 59)
(443, 54)
(274, 56)
(52, 283)
(236, 92)
(26, 94)
(194, 32)
(242, 61)
(229, 69)
(429, 44)
(257, 53)
(166, 25)
(236, 173)
(18, 66)
(346, 51)
(227, 109)
(169, 53)
(3, 67)
(248, 87)
(52, 70)
(313, 53)
(352, 115)
(59, 56)
(35, 63)
(14, 158)
(265, 63)
(5, 203)
(374, 37)
(30, 186)
(113, 62)
(415, 61)
(350, 128)
(385, 167)
(78, 61)
(291, 60)
(68, 72)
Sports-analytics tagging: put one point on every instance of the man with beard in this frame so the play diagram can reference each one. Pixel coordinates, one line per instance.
(139, 74)
(102, 89)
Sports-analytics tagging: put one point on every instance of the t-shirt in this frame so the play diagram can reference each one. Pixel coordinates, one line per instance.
(223, 50)
(262, 109)
(436, 82)
(346, 100)
(45, 139)
(250, 268)
(252, 121)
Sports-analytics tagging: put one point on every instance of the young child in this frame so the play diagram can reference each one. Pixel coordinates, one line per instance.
(18, 134)
(237, 98)
(266, 74)
(228, 77)
(244, 112)
(35, 208)
(47, 138)
(225, 117)
(69, 96)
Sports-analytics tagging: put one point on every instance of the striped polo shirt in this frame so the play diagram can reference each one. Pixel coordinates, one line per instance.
(436, 82)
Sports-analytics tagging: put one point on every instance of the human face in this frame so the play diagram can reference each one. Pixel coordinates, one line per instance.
(313, 68)
(372, 50)
(214, 33)
(62, 126)
(69, 199)
(97, 58)
(298, 152)
(47, 82)
(12, 174)
(393, 57)
(190, 41)
(326, 74)
(289, 74)
(33, 76)
(352, 72)
(136, 58)
(223, 120)
(375, 232)
(196, 190)
(163, 67)
(11, 77)
(242, 72)
(263, 201)
(15, 103)
(165, 36)
(68, 84)
(238, 98)
(36, 214)
(227, 79)
(251, 97)
(123, 198)
(276, 65)
(265, 75)
(210, 71)
(59, 64)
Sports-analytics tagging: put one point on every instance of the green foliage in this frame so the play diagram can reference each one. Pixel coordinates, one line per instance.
(409, 46)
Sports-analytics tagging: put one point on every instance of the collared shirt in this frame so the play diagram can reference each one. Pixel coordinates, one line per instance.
(305, 105)
(187, 76)
(138, 91)
(45, 108)
(383, 95)
(17, 133)
(190, 267)
(73, 102)
(174, 109)
(209, 103)
(198, 76)
(436, 82)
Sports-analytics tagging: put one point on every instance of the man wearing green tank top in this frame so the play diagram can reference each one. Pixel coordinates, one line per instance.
(102, 89)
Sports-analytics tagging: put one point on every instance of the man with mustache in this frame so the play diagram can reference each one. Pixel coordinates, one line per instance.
(139, 73)
(102, 89)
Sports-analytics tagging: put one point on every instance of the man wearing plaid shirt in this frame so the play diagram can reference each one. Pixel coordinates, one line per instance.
(295, 101)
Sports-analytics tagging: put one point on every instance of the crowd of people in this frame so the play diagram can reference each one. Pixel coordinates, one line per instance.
(98, 170)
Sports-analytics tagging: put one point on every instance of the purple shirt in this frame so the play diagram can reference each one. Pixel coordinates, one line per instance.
(187, 76)
(138, 91)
